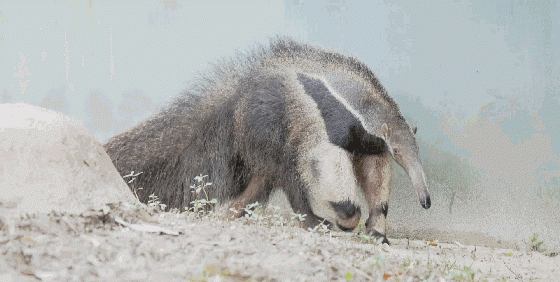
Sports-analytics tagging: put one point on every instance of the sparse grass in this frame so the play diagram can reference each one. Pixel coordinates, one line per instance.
(204, 206)
(300, 217)
(132, 177)
(361, 226)
(366, 238)
(376, 261)
(464, 274)
(321, 228)
(535, 243)
(156, 203)
(217, 273)
(256, 213)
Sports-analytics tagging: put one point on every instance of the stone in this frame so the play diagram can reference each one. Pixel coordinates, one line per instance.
(50, 161)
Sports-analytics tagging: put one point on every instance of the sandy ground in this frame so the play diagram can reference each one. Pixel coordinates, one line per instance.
(134, 242)
(128, 243)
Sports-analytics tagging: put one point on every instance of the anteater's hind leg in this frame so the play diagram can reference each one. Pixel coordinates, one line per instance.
(374, 175)
(257, 190)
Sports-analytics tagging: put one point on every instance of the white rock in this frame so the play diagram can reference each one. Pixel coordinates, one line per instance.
(50, 161)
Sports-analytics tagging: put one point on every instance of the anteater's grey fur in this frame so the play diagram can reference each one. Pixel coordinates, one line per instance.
(314, 123)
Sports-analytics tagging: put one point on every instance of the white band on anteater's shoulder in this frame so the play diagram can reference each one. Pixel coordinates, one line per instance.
(337, 96)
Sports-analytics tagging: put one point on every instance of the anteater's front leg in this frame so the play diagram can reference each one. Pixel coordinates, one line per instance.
(374, 175)
(257, 190)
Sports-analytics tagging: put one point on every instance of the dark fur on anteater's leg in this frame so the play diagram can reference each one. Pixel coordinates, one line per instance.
(374, 173)
(258, 190)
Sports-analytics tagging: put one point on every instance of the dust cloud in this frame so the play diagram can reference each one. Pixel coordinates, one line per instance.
(493, 179)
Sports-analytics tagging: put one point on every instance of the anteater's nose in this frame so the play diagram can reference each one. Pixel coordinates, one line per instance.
(348, 215)
(426, 203)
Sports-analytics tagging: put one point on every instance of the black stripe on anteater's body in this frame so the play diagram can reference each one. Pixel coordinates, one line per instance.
(313, 123)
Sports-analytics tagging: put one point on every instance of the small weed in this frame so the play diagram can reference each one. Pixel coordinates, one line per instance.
(448, 266)
(361, 227)
(153, 200)
(366, 238)
(300, 217)
(174, 211)
(362, 224)
(465, 274)
(156, 203)
(254, 212)
(258, 214)
(535, 243)
(132, 178)
(200, 186)
(321, 228)
(277, 218)
(376, 261)
(469, 272)
(349, 276)
(203, 206)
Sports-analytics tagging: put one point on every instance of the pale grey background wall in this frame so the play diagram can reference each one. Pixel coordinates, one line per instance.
(480, 78)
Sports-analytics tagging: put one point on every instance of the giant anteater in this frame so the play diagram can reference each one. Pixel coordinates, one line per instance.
(314, 123)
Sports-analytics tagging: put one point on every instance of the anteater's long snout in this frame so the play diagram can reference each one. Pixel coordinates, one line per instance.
(418, 179)
(425, 200)
(348, 215)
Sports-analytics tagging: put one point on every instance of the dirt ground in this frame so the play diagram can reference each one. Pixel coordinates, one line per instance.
(130, 243)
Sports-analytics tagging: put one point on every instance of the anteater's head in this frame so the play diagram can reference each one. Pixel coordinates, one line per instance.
(401, 142)
(364, 120)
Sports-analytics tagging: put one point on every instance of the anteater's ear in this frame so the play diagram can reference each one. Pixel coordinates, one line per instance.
(385, 131)
(414, 130)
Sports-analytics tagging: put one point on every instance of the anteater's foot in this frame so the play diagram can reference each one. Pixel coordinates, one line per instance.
(378, 235)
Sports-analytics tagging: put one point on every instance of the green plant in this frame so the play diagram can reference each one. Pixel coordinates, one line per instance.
(463, 274)
(257, 213)
(133, 177)
(156, 203)
(361, 228)
(349, 276)
(270, 216)
(321, 228)
(535, 243)
(300, 217)
(202, 206)
(469, 272)
(254, 212)
(174, 211)
(366, 238)
(276, 218)
(376, 261)
(200, 186)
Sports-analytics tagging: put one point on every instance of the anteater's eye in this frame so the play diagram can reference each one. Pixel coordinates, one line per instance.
(395, 152)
